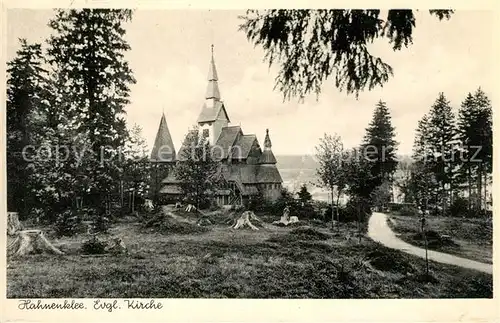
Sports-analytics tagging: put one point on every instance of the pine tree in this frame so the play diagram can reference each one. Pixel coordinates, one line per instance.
(475, 133)
(380, 146)
(442, 140)
(197, 169)
(26, 84)
(466, 133)
(422, 185)
(304, 196)
(87, 51)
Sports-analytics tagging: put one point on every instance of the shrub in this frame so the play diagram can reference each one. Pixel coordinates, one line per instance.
(68, 223)
(257, 203)
(166, 224)
(100, 223)
(395, 207)
(390, 260)
(93, 246)
(409, 211)
(286, 198)
(459, 207)
(434, 239)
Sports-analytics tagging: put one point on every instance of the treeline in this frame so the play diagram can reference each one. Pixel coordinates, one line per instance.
(452, 158)
(68, 146)
(449, 172)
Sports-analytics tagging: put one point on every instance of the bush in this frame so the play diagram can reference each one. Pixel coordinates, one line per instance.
(163, 223)
(350, 212)
(258, 203)
(434, 239)
(286, 198)
(409, 211)
(459, 207)
(100, 223)
(69, 223)
(396, 207)
(93, 246)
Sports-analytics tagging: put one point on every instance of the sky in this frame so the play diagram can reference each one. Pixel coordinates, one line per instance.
(170, 53)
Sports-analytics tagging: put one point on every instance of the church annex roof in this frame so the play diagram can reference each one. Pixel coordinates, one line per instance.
(268, 174)
(163, 148)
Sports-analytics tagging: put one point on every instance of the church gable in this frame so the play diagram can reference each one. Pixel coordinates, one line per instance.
(227, 139)
(222, 113)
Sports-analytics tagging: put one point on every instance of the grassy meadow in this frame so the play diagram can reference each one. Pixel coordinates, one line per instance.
(465, 237)
(304, 261)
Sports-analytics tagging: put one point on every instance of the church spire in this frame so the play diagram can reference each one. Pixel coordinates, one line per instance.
(213, 93)
(267, 156)
(163, 149)
(267, 141)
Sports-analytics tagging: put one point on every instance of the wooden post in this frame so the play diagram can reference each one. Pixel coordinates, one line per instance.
(426, 246)
(121, 193)
(332, 207)
(133, 200)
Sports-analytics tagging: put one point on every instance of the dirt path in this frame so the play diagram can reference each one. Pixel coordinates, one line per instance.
(379, 231)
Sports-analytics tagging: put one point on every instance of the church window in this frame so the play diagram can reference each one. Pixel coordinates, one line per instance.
(205, 133)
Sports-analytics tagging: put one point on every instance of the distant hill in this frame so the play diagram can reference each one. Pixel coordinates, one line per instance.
(297, 170)
(297, 161)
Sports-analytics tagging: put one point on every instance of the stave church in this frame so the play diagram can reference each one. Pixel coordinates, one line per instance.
(247, 168)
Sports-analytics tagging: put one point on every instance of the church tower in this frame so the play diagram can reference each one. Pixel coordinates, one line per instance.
(163, 149)
(268, 175)
(267, 157)
(213, 116)
(162, 159)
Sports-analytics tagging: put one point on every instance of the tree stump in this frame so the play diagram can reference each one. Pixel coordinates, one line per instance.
(190, 208)
(13, 224)
(286, 219)
(22, 242)
(244, 221)
(116, 245)
(28, 242)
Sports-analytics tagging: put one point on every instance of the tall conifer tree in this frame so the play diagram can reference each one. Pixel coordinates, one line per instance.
(380, 147)
(442, 142)
(87, 50)
(26, 83)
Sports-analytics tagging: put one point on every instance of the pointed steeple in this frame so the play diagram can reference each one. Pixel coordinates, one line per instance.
(267, 141)
(213, 93)
(267, 156)
(163, 149)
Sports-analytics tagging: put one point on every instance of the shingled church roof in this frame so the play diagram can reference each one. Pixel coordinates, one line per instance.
(163, 149)
(210, 114)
